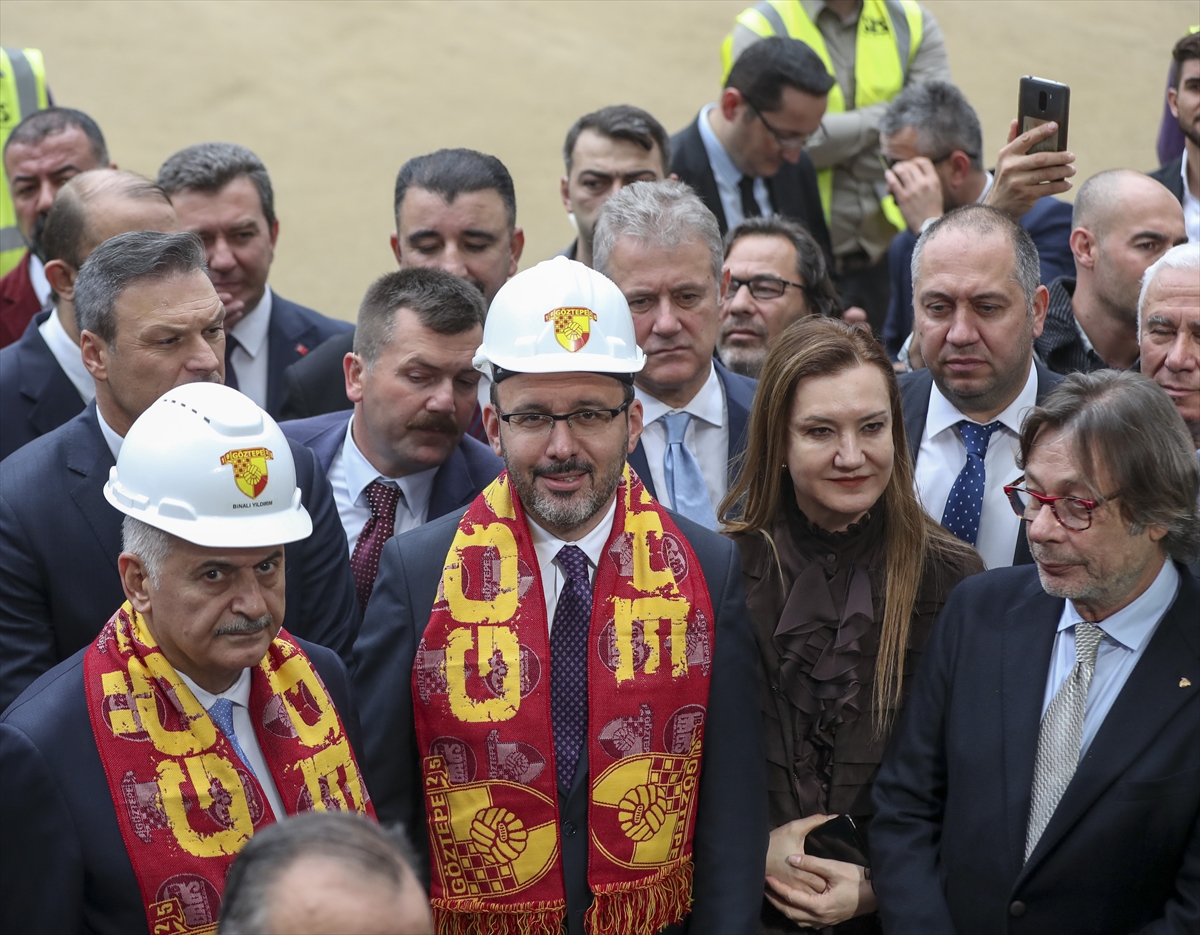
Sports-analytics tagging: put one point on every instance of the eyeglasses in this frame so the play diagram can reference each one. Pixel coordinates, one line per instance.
(761, 287)
(1072, 513)
(889, 162)
(792, 141)
(581, 422)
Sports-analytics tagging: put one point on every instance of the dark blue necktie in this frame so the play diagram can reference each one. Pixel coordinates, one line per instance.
(568, 663)
(231, 379)
(965, 504)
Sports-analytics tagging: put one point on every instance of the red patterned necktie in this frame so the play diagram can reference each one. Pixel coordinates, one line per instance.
(377, 530)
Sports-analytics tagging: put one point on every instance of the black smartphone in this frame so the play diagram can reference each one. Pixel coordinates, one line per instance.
(1040, 102)
(838, 839)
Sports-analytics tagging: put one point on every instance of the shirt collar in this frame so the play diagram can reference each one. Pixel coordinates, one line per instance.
(111, 438)
(987, 187)
(41, 285)
(1132, 625)
(251, 331)
(547, 545)
(718, 158)
(1183, 171)
(360, 473)
(708, 404)
(238, 692)
(66, 352)
(943, 414)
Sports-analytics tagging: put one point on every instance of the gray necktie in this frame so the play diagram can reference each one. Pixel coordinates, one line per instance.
(1061, 735)
(681, 470)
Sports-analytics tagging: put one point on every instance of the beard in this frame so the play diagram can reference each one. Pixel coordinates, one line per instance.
(243, 625)
(740, 358)
(1105, 590)
(563, 512)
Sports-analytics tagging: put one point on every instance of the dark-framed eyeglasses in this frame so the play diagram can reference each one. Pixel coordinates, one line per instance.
(761, 287)
(1074, 513)
(581, 422)
(790, 141)
(889, 162)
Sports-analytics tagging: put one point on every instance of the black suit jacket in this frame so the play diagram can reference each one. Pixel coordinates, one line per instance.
(731, 824)
(1171, 175)
(470, 467)
(60, 539)
(295, 331)
(63, 864)
(36, 396)
(316, 384)
(739, 397)
(915, 388)
(793, 188)
(1121, 852)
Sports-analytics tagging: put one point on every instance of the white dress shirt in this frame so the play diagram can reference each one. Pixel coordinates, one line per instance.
(547, 547)
(728, 176)
(943, 455)
(239, 694)
(1127, 633)
(707, 437)
(1191, 204)
(67, 353)
(349, 475)
(249, 358)
(111, 438)
(37, 279)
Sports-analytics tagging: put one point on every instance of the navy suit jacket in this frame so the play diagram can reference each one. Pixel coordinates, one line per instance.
(60, 540)
(915, 388)
(294, 332)
(739, 397)
(316, 384)
(793, 188)
(1048, 223)
(1122, 850)
(1171, 175)
(470, 467)
(36, 396)
(64, 866)
(731, 823)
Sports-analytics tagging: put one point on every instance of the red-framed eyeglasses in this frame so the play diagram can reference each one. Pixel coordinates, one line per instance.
(1074, 513)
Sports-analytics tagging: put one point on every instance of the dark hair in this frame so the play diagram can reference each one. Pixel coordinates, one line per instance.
(811, 268)
(1123, 423)
(766, 66)
(1186, 48)
(121, 261)
(67, 231)
(943, 119)
(621, 122)
(442, 301)
(342, 836)
(209, 167)
(453, 172)
(42, 123)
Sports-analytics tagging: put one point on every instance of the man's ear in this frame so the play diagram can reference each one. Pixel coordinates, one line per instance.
(135, 580)
(564, 191)
(491, 425)
(95, 353)
(353, 367)
(62, 279)
(517, 246)
(395, 240)
(730, 101)
(1083, 247)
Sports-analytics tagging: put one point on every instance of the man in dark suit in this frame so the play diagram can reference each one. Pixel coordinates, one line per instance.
(564, 433)
(223, 193)
(401, 458)
(43, 382)
(933, 145)
(1181, 175)
(60, 541)
(96, 835)
(744, 155)
(660, 244)
(1045, 775)
(978, 308)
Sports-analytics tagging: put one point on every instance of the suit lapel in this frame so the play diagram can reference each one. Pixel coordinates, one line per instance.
(705, 182)
(739, 417)
(89, 460)
(55, 399)
(637, 461)
(452, 486)
(287, 331)
(914, 398)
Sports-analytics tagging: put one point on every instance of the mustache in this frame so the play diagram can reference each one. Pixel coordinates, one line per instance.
(244, 624)
(433, 422)
(570, 466)
(749, 324)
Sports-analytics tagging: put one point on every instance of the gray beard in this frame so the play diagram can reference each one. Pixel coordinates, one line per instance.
(746, 361)
(564, 512)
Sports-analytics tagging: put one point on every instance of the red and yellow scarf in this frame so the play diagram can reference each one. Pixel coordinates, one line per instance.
(185, 802)
(481, 691)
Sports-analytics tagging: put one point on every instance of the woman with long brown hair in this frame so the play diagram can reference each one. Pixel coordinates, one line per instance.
(844, 574)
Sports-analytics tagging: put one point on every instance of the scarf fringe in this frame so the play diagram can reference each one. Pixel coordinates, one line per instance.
(478, 917)
(642, 907)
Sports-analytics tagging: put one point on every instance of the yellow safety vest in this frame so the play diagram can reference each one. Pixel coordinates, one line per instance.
(879, 63)
(22, 91)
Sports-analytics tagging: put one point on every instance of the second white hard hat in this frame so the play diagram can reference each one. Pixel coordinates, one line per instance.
(206, 464)
(559, 316)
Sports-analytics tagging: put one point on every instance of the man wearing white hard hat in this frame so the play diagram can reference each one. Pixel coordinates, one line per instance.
(149, 320)
(558, 682)
(133, 772)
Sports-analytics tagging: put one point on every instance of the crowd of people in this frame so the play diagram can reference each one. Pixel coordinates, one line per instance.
(812, 544)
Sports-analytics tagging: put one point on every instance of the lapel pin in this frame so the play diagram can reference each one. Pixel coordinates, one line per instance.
(301, 349)
(1184, 682)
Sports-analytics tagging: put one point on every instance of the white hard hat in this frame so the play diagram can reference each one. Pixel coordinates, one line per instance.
(559, 316)
(204, 463)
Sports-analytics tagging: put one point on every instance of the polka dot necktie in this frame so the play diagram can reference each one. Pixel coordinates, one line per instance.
(568, 662)
(681, 470)
(375, 533)
(222, 714)
(965, 504)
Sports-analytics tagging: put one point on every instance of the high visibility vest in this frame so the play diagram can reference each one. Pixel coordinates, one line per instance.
(22, 91)
(885, 47)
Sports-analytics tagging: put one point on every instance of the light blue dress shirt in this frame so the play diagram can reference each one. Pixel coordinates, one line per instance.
(728, 176)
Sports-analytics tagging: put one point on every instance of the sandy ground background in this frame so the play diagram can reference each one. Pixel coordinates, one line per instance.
(336, 96)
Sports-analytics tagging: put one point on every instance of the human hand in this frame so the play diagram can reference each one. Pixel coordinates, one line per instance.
(235, 309)
(915, 185)
(1021, 179)
(847, 892)
(788, 841)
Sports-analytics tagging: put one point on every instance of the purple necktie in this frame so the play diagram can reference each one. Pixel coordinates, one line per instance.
(568, 662)
(364, 563)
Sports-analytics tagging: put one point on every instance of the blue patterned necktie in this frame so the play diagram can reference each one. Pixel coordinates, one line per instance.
(222, 714)
(685, 481)
(965, 503)
(568, 662)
